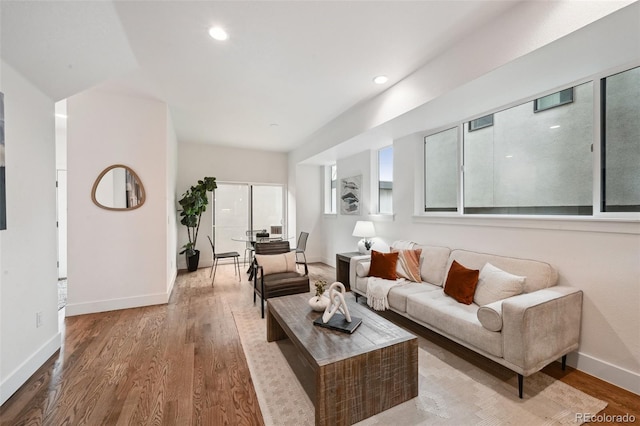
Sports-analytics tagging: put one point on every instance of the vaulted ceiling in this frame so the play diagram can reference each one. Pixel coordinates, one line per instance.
(287, 69)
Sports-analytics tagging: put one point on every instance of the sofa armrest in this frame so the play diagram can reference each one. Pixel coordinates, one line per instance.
(353, 264)
(541, 326)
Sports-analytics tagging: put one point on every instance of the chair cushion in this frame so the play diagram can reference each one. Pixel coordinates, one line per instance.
(277, 263)
(283, 284)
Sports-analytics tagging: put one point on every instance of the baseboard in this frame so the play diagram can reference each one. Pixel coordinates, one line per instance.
(25, 370)
(603, 370)
(172, 282)
(116, 304)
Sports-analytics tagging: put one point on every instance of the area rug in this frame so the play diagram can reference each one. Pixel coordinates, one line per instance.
(452, 391)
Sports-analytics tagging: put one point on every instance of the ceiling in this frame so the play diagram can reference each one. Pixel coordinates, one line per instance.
(287, 69)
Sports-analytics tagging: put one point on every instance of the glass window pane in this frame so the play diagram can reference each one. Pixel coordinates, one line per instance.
(621, 144)
(231, 216)
(530, 163)
(441, 171)
(553, 100)
(385, 180)
(267, 206)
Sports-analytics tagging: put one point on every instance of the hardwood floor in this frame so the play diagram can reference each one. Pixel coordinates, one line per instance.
(182, 363)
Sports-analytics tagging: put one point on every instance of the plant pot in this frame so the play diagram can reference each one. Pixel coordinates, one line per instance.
(319, 303)
(193, 260)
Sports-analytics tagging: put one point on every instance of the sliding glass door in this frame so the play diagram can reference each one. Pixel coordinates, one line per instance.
(241, 207)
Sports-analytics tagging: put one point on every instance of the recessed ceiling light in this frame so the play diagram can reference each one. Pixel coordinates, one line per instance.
(218, 33)
(381, 79)
(508, 156)
(555, 127)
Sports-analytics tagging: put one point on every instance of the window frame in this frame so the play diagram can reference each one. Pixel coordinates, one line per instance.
(378, 181)
(623, 219)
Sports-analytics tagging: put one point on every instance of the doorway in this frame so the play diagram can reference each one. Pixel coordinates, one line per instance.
(242, 207)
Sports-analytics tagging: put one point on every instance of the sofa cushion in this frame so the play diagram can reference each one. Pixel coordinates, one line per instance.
(277, 263)
(383, 265)
(398, 294)
(495, 284)
(490, 316)
(434, 263)
(444, 314)
(362, 269)
(408, 265)
(461, 283)
(539, 274)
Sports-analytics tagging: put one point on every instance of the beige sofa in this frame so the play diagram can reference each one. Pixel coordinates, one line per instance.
(524, 332)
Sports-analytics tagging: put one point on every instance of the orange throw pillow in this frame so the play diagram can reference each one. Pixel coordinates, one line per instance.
(383, 265)
(461, 283)
(409, 264)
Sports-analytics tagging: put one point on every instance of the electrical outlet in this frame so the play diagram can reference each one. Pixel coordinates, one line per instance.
(38, 319)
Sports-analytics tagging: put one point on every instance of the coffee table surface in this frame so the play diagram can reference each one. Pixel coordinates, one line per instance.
(326, 346)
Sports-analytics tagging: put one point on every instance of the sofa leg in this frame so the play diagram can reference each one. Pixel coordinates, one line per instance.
(262, 307)
(564, 362)
(356, 295)
(520, 384)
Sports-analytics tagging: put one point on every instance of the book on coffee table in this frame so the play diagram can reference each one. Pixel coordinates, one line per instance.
(338, 322)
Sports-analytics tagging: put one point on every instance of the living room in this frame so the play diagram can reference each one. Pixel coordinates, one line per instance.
(598, 255)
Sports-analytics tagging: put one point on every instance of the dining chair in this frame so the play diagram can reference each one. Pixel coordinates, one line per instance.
(227, 255)
(300, 248)
(274, 272)
(251, 236)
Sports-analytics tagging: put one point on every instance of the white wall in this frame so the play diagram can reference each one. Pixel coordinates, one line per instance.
(308, 180)
(196, 161)
(117, 259)
(599, 257)
(172, 227)
(28, 278)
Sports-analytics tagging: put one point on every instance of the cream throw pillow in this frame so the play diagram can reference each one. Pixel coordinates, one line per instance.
(495, 284)
(277, 263)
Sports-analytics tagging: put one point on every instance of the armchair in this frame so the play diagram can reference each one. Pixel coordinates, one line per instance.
(274, 272)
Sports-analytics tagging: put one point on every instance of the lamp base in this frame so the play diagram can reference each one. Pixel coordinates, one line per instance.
(362, 249)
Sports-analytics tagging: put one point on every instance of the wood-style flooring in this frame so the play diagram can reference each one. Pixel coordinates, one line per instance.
(182, 363)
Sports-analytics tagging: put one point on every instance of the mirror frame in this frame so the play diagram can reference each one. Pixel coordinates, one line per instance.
(143, 193)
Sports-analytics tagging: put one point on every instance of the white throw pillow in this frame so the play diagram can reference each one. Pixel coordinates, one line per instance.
(490, 316)
(495, 284)
(277, 263)
(362, 269)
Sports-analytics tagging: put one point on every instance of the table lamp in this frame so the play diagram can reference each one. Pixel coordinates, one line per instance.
(364, 229)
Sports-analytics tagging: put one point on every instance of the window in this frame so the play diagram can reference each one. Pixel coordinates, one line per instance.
(385, 180)
(441, 171)
(334, 188)
(531, 163)
(621, 141)
(481, 122)
(330, 189)
(553, 100)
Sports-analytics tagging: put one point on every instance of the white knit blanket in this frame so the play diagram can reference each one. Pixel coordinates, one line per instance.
(378, 290)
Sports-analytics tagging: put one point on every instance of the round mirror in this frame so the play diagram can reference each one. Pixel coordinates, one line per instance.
(118, 188)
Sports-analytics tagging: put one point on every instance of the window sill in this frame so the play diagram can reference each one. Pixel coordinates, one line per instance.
(330, 215)
(564, 223)
(382, 217)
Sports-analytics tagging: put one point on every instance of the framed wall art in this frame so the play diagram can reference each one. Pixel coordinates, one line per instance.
(350, 193)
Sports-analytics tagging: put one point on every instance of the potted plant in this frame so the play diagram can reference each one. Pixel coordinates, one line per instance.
(319, 302)
(194, 202)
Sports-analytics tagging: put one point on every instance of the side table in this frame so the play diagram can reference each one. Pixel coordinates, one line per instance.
(342, 267)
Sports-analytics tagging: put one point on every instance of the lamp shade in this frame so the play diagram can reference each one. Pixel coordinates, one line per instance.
(364, 229)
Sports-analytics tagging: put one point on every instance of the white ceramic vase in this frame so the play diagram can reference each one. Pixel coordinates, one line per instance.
(318, 303)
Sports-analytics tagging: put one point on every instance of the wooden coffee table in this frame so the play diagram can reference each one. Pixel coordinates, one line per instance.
(356, 375)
